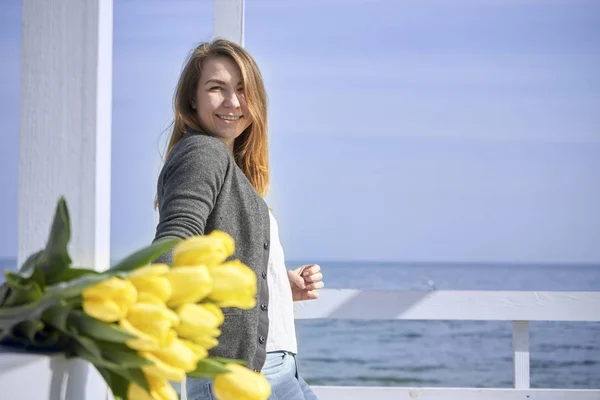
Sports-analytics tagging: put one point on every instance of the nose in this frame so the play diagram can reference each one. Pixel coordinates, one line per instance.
(231, 100)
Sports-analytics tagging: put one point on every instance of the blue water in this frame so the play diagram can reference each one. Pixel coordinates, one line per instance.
(447, 353)
(450, 353)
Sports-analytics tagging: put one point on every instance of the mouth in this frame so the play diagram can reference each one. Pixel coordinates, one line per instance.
(229, 118)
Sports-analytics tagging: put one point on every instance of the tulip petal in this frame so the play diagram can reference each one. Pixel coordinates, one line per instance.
(234, 285)
(209, 250)
(241, 384)
(160, 389)
(144, 342)
(189, 284)
(151, 270)
(161, 369)
(145, 297)
(177, 355)
(158, 286)
(103, 309)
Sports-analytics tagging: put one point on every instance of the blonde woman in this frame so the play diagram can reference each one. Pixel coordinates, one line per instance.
(215, 176)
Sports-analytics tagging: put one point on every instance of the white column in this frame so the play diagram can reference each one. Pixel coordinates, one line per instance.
(66, 91)
(521, 354)
(228, 22)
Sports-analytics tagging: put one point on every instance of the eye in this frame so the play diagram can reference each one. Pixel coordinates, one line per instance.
(215, 88)
(241, 90)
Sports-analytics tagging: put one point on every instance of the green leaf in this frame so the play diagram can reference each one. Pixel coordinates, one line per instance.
(57, 315)
(96, 329)
(56, 256)
(14, 280)
(66, 291)
(118, 384)
(48, 339)
(38, 277)
(73, 273)
(121, 378)
(22, 331)
(73, 288)
(207, 368)
(21, 281)
(4, 291)
(145, 255)
(125, 357)
(20, 292)
(137, 376)
(91, 350)
(228, 360)
(27, 330)
(88, 349)
(29, 265)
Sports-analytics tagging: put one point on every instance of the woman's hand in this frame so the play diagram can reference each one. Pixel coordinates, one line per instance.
(305, 282)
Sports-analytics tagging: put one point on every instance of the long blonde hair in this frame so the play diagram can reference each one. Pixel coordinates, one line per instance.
(251, 147)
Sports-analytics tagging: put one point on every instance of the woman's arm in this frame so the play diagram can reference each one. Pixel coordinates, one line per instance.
(191, 182)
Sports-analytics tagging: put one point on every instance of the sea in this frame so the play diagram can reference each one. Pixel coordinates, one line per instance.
(449, 353)
(446, 353)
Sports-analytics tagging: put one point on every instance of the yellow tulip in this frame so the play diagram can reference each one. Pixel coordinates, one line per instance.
(199, 351)
(241, 384)
(209, 250)
(152, 324)
(151, 279)
(189, 284)
(151, 270)
(146, 297)
(160, 389)
(234, 285)
(172, 362)
(199, 320)
(109, 300)
(206, 341)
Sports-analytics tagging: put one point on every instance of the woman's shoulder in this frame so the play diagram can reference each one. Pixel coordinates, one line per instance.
(201, 143)
(199, 149)
(198, 155)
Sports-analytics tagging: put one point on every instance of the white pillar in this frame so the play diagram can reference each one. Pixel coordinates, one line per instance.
(228, 22)
(521, 354)
(66, 93)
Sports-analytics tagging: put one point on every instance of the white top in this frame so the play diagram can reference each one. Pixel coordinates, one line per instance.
(282, 331)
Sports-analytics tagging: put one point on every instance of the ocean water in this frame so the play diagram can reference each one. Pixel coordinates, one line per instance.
(449, 353)
(446, 353)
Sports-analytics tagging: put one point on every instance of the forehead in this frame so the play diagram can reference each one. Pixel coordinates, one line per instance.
(221, 68)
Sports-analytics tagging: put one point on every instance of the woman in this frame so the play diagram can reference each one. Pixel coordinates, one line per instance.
(215, 177)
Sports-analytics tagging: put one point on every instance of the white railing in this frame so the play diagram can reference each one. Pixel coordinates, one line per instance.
(515, 306)
(59, 379)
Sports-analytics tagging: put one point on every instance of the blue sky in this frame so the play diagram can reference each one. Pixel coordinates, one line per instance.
(415, 131)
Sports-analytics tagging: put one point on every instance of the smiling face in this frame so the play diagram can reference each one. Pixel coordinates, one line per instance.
(220, 103)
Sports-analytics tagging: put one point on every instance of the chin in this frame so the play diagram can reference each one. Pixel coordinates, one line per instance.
(227, 135)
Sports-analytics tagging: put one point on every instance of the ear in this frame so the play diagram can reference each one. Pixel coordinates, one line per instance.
(193, 103)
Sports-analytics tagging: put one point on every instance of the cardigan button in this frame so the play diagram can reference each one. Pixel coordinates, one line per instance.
(262, 340)
(266, 245)
(263, 307)
(264, 274)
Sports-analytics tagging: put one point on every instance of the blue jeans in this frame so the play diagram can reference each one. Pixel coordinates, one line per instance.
(280, 369)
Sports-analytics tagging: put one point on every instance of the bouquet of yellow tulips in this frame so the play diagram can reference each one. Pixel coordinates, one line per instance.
(142, 325)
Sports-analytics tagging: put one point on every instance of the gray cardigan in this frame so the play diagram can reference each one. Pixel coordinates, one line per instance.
(200, 189)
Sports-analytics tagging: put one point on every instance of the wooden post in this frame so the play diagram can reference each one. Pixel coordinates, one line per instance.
(229, 20)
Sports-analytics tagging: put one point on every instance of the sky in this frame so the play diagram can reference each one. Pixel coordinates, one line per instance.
(446, 131)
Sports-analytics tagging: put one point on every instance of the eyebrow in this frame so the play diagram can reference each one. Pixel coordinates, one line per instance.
(217, 81)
